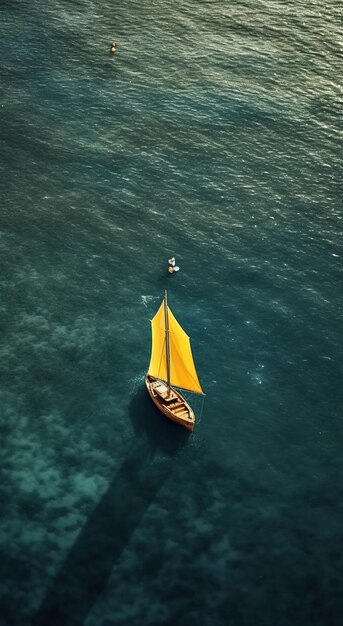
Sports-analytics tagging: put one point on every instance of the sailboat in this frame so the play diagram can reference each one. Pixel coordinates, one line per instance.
(171, 366)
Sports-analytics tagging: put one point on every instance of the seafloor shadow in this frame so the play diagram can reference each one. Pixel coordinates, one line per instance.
(108, 530)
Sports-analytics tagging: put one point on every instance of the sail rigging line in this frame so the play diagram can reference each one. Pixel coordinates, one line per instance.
(188, 372)
(159, 367)
(189, 397)
(202, 408)
(166, 325)
(161, 357)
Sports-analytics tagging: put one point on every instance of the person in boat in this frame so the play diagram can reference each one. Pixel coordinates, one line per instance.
(113, 46)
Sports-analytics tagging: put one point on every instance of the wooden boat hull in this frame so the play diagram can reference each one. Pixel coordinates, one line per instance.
(172, 404)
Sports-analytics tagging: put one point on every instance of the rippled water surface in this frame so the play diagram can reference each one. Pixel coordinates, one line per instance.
(213, 134)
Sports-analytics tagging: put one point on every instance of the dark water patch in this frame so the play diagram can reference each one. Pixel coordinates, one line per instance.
(85, 572)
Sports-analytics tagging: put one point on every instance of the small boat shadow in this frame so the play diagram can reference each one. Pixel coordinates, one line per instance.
(162, 434)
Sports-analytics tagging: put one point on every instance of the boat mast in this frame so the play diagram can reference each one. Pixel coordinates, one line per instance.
(166, 325)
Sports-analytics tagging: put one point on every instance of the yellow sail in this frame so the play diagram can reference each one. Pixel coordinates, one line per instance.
(182, 369)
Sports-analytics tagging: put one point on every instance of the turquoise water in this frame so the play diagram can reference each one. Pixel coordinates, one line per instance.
(213, 134)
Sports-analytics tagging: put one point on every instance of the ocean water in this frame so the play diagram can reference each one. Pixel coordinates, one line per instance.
(213, 134)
